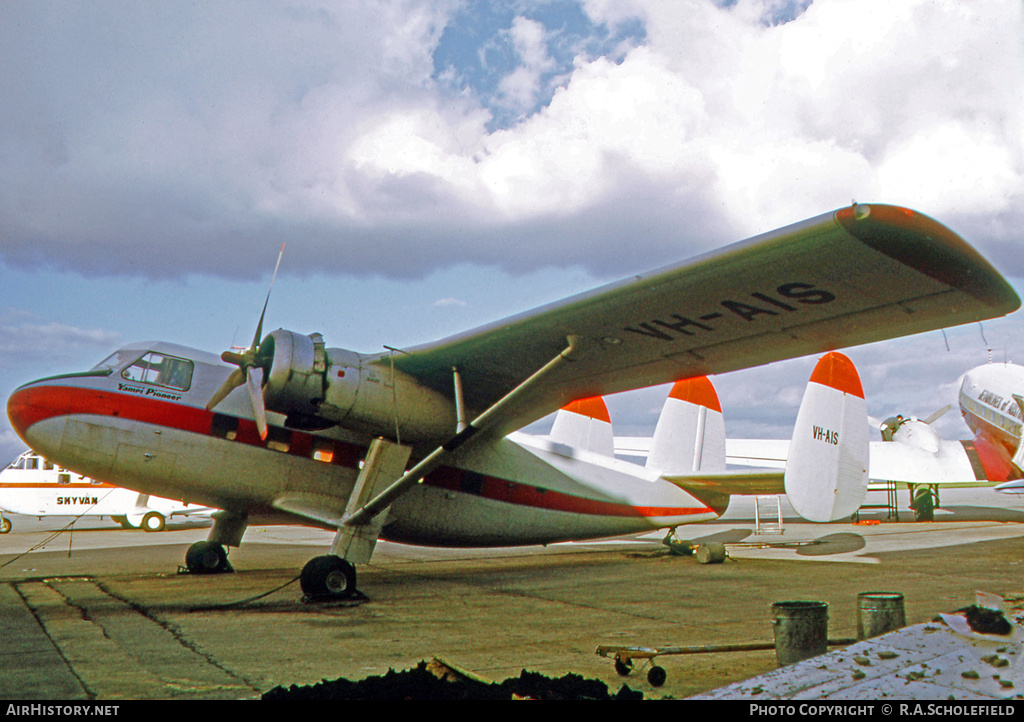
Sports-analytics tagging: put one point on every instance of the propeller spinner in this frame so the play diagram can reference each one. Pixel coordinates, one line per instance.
(252, 368)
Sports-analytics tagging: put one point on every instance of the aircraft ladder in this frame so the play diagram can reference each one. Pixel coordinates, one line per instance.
(766, 526)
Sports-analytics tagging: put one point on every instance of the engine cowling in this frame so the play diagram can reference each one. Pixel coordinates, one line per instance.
(315, 386)
(296, 375)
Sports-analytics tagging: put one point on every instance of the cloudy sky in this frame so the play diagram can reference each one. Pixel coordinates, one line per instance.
(433, 166)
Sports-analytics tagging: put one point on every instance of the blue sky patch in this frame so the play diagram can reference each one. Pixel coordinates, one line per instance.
(478, 53)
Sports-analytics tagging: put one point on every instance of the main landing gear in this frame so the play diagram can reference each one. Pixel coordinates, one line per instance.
(329, 578)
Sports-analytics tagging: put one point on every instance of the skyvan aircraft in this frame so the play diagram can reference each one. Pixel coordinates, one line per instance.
(34, 486)
(414, 446)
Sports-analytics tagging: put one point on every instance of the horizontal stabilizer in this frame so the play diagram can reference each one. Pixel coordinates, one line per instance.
(766, 483)
(1012, 487)
(584, 424)
(827, 469)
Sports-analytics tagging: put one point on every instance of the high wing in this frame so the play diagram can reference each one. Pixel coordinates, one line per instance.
(856, 275)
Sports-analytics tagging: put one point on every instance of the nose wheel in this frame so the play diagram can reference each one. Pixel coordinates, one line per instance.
(328, 578)
(206, 557)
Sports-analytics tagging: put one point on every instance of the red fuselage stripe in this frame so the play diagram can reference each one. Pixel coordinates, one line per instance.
(29, 406)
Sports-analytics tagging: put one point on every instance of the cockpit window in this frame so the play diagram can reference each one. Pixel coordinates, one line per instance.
(116, 360)
(155, 368)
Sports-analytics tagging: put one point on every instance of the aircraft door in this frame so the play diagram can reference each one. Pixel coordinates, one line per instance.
(141, 468)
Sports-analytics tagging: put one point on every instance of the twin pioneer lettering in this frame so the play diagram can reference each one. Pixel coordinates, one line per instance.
(787, 299)
(149, 391)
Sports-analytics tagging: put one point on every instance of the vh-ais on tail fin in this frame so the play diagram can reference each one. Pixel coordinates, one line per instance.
(826, 476)
(827, 469)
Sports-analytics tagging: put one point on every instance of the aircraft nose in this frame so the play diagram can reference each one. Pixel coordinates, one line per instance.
(31, 404)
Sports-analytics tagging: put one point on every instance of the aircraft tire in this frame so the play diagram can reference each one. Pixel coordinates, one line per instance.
(924, 505)
(328, 577)
(623, 667)
(154, 521)
(656, 676)
(205, 557)
(5, 526)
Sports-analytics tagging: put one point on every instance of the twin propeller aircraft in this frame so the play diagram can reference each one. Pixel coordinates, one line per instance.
(419, 446)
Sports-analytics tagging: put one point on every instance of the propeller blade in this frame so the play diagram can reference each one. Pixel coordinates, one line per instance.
(254, 382)
(233, 381)
(937, 414)
(259, 326)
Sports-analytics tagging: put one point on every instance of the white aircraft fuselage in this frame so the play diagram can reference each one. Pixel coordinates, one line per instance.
(989, 406)
(161, 440)
(423, 445)
(34, 486)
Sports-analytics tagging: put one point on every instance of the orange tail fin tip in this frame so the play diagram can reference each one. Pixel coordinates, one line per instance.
(838, 372)
(697, 390)
(594, 407)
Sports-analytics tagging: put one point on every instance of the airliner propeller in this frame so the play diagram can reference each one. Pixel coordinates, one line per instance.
(935, 416)
(912, 430)
(252, 368)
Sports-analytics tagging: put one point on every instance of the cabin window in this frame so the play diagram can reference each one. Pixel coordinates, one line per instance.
(160, 370)
(279, 439)
(323, 450)
(63, 478)
(225, 427)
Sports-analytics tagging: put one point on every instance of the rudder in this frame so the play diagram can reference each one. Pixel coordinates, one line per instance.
(690, 435)
(584, 424)
(827, 468)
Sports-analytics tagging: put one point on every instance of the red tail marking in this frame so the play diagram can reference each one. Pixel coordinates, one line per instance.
(594, 407)
(698, 390)
(838, 372)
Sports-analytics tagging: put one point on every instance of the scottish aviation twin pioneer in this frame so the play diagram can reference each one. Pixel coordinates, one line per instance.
(417, 445)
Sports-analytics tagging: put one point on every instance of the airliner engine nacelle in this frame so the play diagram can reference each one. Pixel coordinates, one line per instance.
(312, 384)
(919, 434)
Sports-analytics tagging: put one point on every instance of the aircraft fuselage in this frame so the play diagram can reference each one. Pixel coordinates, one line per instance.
(128, 425)
(990, 410)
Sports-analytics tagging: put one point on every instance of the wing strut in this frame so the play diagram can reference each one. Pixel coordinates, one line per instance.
(435, 458)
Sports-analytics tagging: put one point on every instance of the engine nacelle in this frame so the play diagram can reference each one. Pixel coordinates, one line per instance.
(312, 385)
(296, 379)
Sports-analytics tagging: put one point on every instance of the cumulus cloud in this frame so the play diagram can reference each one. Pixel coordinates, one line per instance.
(54, 343)
(144, 141)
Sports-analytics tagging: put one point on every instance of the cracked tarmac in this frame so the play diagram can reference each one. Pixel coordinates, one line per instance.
(104, 615)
